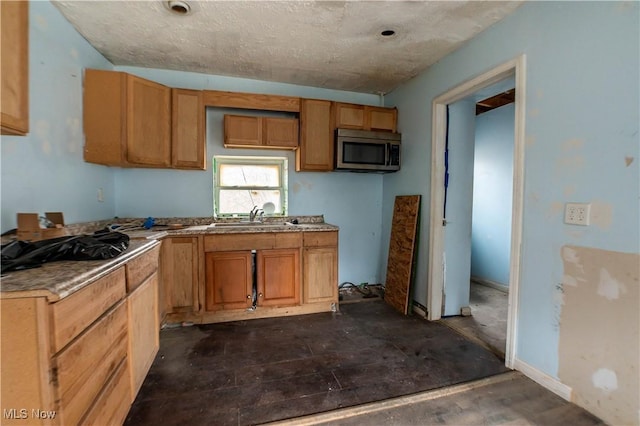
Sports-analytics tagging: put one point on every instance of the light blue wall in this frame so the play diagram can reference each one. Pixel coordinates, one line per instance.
(492, 195)
(457, 233)
(350, 200)
(44, 171)
(582, 115)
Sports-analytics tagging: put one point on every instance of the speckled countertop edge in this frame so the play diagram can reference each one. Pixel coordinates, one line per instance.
(57, 280)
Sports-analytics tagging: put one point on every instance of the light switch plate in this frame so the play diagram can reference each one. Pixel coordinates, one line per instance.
(577, 213)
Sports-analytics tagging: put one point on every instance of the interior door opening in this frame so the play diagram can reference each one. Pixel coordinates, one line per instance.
(478, 162)
(436, 300)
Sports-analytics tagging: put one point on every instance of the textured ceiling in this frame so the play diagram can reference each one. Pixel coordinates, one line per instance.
(328, 44)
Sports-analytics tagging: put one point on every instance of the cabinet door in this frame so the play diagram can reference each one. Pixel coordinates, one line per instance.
(142, 307)
(242, 131)
(349, 116)
(148, 123)
(378, 118)
(278, 277)
(281, 132)
(179, 274)
(228, 280)
(14, 67)
(187, 122)
(320, 274)
(103, 116)
(315, 153)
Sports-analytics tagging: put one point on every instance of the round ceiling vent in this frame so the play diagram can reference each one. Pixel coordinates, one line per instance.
(178, 7)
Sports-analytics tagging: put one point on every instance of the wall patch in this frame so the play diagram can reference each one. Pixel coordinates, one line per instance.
(605, 379)
(609, 287)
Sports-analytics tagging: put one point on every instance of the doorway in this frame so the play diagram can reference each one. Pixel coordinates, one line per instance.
(479, 150)
(437, 242)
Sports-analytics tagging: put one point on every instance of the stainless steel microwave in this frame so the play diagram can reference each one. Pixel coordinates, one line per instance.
(364, 151)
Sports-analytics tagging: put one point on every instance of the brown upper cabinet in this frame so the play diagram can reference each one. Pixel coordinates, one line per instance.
(315, 153)
(187, 140)
(127, 120)
(14, 67)
(241, 131)
(365, 117)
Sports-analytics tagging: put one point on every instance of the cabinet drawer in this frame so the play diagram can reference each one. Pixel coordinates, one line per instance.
(258, 241)
(73, 314)
(321, 239)
(287, 240)
(141, 268)
(86, 365)
(112, 405)
(233, 242)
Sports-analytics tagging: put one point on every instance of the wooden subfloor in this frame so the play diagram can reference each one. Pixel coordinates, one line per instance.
(391, 369)
(506, 399)
(251, 372)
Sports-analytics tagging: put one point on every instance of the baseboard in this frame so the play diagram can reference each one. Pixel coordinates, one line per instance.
(488, 283)
(419, 310)
(543, 379)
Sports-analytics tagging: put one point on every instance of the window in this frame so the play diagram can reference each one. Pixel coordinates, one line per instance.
(240, 183)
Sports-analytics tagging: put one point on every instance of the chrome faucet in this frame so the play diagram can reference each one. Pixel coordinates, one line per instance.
(255, 212)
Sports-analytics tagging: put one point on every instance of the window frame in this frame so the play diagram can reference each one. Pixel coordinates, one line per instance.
(281, 162)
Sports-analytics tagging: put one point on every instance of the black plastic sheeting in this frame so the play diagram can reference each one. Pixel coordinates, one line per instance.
(24, 255)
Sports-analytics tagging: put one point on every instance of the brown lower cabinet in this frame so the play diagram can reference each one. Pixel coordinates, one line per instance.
(278, 277)
(143, 340)
(179, 272)
(210, 278)
(230, 278)
(228, 282)
(81, 359)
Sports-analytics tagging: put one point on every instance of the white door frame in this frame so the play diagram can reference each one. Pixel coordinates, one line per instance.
(436, 232)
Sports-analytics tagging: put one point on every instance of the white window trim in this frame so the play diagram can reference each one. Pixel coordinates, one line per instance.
(282, 162)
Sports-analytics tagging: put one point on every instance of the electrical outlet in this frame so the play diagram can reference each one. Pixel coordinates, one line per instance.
(577, 213)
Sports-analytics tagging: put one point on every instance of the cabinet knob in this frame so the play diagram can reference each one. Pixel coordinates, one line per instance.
(259, 294)
(248, 296)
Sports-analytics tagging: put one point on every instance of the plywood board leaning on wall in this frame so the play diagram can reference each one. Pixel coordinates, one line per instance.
(402, 249)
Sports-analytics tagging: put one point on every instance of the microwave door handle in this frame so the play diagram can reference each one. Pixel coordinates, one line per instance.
(387, 154)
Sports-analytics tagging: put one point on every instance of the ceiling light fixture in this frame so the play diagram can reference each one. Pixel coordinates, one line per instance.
(179, 7)
(387, 33)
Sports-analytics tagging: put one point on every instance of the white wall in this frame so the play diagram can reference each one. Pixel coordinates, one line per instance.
(582, 109)
(351, 201)
(492, 195)
(44, 170)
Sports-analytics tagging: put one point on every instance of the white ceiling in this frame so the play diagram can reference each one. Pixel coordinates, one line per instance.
(328, 44)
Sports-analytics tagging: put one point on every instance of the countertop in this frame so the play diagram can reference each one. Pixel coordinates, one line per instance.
(159, 232)
(56, 280)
